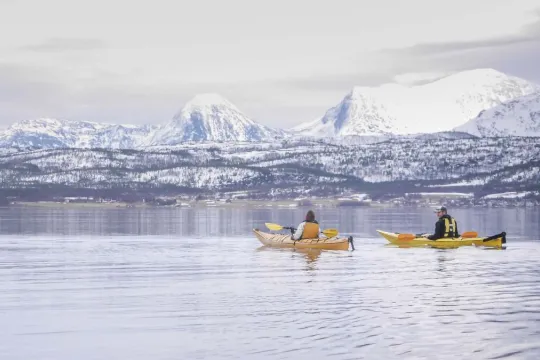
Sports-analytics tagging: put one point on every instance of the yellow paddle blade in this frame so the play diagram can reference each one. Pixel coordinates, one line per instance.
(330, 232)
(273, 226)
(469, 234)
(406, 237)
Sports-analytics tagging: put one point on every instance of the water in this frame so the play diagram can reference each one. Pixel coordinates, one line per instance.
(195, 284)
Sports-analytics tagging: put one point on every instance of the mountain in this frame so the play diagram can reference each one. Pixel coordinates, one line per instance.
(363, 111)
(55, 133)
(518, 117)
(288, 168)
(364, 115)
(210, 117)
(206, 117)
(438, 106)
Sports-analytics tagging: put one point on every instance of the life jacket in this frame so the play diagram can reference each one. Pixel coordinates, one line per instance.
(311, 230)
(449, 227)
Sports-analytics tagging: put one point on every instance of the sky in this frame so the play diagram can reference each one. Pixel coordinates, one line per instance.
(281, 62)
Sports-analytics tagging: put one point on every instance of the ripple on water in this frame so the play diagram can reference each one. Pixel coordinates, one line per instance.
(157, 298)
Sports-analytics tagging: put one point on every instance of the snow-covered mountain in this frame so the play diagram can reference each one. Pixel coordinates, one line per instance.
(441, 105)
(55, 133)
(292, 166)
(210, 117)
(518, 117)
(377, 114)
(207, 117)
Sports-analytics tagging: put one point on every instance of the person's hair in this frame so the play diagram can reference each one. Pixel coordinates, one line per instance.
(310, 216)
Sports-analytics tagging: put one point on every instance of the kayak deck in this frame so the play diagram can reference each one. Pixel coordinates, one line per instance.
(284, 240)
(495, 241)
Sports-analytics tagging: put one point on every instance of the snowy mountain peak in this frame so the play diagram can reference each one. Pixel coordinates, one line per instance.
(59, 133)
(207, 105)
(440, 105)
(208, 100)
(51, 124)
(517, 117)
(210, 117)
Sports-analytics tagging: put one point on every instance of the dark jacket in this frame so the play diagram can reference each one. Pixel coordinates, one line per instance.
(440, 228)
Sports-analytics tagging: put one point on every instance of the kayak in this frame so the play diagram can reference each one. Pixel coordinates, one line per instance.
(495, 241)
(284, 240)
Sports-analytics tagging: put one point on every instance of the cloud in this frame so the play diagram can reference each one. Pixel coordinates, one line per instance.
(417, 64)
(530, 33)
(38, 91)
(144, 67)
(411, 79)
(528, 37)
(457, 46)
(65, 44)
(335, 82)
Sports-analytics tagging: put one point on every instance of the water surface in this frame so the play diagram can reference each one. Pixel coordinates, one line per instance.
(195, 284)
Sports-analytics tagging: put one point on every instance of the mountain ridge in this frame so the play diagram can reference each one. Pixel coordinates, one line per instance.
(517, 117)
(210, 117)
(440, 105)
(289, 167)
(385, 111)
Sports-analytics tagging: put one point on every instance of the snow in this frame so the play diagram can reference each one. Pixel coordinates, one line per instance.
(511, 195)
(518, 117)
(447, 194)
(501, 105)
(56, 133)
(206, 117)
(207, 100)
(210, 117)
(508, 162)
(440, 105)
(474, 182)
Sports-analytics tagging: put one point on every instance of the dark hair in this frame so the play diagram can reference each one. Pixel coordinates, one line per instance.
(310, 216)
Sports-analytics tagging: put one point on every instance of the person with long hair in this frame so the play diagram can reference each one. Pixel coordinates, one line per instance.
(308, 229)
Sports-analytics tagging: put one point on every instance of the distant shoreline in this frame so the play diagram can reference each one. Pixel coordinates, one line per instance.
(193, 204)
(279, 204)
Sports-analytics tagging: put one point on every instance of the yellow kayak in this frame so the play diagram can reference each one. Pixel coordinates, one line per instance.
(284, 240)
(410, 240)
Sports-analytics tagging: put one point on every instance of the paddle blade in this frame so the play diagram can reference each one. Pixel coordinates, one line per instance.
(330, 232)
(469, 234)
(273, 226)
(406, 237)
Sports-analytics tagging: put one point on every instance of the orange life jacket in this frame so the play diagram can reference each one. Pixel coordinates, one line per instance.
(311, 231)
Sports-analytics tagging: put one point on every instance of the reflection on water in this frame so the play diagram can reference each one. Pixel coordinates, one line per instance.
(195, 284)
(220, 222)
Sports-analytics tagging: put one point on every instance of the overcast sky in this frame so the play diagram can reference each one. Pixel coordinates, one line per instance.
(282, 62)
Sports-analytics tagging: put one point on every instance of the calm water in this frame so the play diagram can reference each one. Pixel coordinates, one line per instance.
(195, 284)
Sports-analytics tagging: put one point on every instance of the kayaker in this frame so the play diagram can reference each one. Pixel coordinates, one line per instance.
(445, 227)
(308, 229)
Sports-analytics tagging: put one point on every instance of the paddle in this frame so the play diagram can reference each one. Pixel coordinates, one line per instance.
(493, 237)
(406, 237)
(327, 232)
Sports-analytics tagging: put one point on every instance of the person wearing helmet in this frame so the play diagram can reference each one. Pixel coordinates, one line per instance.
(445, 227)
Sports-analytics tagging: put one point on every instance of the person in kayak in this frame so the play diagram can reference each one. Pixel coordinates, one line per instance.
(308, 229)
(445, 227)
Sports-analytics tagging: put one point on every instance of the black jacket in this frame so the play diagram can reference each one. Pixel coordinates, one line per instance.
(440, 228)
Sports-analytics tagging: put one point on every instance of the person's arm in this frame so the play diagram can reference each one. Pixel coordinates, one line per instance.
(298, 233)
(439, 231)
